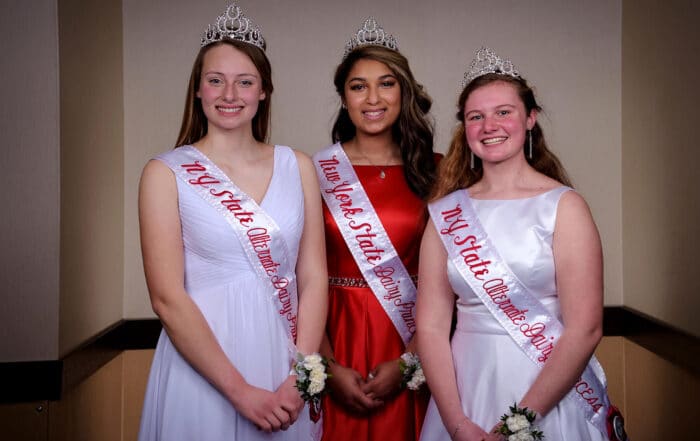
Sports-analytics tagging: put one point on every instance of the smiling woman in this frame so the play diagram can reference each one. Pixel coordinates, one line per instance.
(374, 181)
(233, 253)
(520, 250)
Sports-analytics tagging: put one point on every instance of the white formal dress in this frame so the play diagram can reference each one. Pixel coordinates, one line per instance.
(492, 372)
(180, 404)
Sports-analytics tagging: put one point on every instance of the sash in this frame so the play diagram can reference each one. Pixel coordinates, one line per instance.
(258, 233)
(533, 328)
(366, 238)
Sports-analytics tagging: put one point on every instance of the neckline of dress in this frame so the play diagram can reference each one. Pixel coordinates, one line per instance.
(228, 178)
(517, 199)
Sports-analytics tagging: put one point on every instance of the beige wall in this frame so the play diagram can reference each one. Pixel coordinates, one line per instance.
(111, 124)
(570, 52)
(92, 169)
(29, 200)
(661, 203)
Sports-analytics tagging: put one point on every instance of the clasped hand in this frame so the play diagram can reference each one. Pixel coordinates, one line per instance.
(271, 411)
(362, 395)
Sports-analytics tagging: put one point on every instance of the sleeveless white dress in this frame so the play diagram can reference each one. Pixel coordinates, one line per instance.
(492, 371)
(179, 403)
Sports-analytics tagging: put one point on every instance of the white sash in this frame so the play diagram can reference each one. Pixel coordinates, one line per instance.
(534, 329)
(366, 238)
(258, 233)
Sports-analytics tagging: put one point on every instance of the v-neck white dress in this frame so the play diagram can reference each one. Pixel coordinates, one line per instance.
(180, 404)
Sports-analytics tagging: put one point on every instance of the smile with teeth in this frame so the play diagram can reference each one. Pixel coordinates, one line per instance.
(229, 109)
(373, 114)
(491, 141)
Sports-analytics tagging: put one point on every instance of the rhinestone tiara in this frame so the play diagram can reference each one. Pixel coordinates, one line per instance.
(371, 33)
(234, 25)
(485, 62)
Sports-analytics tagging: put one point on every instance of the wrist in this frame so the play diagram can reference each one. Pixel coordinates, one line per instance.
(461, 423)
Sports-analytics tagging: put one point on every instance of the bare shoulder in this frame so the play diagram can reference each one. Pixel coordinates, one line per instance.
(572, 203)
(306, 165)
(157, 174)
(302, 158)
(574, 218)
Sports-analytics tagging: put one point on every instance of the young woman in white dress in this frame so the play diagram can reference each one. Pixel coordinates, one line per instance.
(221, 370)
(545, 234)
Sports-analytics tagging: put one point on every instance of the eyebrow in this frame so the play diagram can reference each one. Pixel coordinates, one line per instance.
(216, 72)
(497, 107)
(383, 77)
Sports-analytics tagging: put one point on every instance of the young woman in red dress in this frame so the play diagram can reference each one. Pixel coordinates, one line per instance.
(385, 136)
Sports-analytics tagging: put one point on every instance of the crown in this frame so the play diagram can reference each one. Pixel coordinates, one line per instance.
(485, 62)
(234, 25)
(371, 33)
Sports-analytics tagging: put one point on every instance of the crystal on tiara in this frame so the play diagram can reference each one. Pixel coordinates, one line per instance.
(234, 25)
(485, 62)
(371, 33)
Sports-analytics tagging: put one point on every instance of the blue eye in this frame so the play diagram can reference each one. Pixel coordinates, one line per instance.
(388, 84)
(474, 117)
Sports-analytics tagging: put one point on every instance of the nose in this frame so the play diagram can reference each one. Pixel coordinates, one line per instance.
(490, 124)
(372, 95)
(230, 91)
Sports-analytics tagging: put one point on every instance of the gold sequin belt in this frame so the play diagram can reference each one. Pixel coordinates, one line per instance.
(357, 282)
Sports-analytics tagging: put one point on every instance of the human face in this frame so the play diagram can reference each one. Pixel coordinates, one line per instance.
(372, 97)
(496, 122)
(230, 88)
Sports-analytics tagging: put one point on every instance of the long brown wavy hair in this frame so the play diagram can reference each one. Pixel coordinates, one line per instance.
(412, 131)
(455, 170)
(194, 122)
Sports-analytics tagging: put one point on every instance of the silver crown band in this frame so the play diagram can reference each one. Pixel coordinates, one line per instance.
(234, 25)
(485, 62)
(371, 33)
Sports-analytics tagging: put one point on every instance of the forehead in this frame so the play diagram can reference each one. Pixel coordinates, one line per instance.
(227, 59)
(368, 69)
(493, 95)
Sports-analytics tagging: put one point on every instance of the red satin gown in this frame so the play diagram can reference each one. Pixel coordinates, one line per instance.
(361, 334)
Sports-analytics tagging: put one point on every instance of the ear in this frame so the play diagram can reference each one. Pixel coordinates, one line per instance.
(531, 119)
(262, 96)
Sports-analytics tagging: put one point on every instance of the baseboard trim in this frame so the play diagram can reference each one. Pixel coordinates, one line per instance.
(49, 380)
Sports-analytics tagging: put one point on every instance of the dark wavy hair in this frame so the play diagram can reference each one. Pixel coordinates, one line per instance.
(455, 169)
(194, 121)
(413, 130)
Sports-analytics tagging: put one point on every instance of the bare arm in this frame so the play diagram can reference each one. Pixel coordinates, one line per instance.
(579, 274)
(312, 276)
(312, 283)
(163, 260)
(434, 317)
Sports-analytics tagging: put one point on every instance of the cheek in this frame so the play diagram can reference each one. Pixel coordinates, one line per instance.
(205, 93)
(471, 132)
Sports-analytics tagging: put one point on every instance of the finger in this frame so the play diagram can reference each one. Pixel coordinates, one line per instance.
(292, 409)
(274, 422)
(281, 414)
(367, 402)
(264, 426)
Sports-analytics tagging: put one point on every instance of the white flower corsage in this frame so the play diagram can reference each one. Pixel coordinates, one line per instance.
(517, 425)
(411, 371)
(311, 380)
